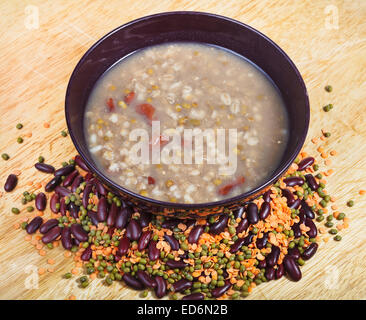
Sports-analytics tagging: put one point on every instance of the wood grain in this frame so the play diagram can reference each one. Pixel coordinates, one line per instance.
(35, 68)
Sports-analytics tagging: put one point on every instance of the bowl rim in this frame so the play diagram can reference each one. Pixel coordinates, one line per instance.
(278, 172)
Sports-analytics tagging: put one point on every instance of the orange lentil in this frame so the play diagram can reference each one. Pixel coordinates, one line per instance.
(67, 254)
(51, 270)
(327, 162)
(314, 140)
(362, 192)
(46, 125)
(333, 153)
(51, 261)
(72, 297)
(42, 252)
(324, 155)
(41, 271)
(74, 271)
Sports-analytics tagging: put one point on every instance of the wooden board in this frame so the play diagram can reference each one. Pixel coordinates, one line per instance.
(36, 65)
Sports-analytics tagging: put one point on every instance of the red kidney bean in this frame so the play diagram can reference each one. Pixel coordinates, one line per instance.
(93, 217)
(62, 191)
(310, 251)
(146, 279)
(111, 219)
(242, 225)
(78, 232)
(289, 196)
(195, 234)
(144, 240)
(267, 196)
(174, 264)
(219, 291)
(293, 181)
(52, 184)
(132, 282)
(280, 271)
(33, 226)
(295, 204)
(63, 206)
(10, 182)
(160, 289)
(270, 273)
(66, 239)
(262, 264)
(294, 252)
(292, 269)
(133, 230)
(313, 232)
(252, 213)
(182, 285)
(52, 235)
(100, 188)
(174, 244)
(102, 212)
(47, 168)
(220, 225)
(273, 256)
(74, 210)
(296, 229)
(70, 178)
(124, 244)
(194, 296)
(305, 163)
(261, 242)
(153, 251)
(248, 239)
(87, 254)
(76, 183)
(80, 162)
(41, 201)
(64, 171)
(311, 182)
(48, 225)
(76, 242)
(88, 188)
(145, 218)
(238, 213)
(123, 216)
(54, 200)
(265, 210)
(306, 210)
(237, 245)
(170, 223)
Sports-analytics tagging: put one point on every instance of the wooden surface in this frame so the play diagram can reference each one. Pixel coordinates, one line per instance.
(36, 65)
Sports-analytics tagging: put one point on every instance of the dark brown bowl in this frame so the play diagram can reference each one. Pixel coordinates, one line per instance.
(193, 27)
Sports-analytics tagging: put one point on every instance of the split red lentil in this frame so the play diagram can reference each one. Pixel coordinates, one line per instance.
(221, 257)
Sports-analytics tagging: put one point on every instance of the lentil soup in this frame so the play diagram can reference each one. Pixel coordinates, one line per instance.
(186, 86)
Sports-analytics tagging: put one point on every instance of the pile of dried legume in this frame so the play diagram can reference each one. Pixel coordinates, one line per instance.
(225, 256)
(221, 257)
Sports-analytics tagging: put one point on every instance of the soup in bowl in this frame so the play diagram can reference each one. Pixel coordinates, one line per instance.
(184, 121)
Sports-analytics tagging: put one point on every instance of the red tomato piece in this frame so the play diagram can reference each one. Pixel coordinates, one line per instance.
(110, 104)
(129, 97)
(224, 190)
(146, 110)
(150, 180)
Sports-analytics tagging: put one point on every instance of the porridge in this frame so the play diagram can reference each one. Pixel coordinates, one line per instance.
(184, 90)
